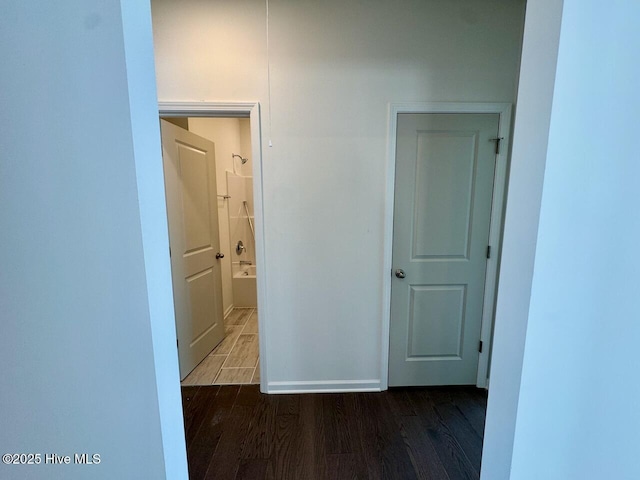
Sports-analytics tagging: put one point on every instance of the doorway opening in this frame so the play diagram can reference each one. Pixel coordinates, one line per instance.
(233, 131)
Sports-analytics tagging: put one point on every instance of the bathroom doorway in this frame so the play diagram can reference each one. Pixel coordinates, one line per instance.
(235, 132)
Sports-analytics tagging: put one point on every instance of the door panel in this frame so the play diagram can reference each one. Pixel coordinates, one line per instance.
(444, 182)
(195, 197)
(436, 308)
(442, 203)
(199, 288)
(189, 166)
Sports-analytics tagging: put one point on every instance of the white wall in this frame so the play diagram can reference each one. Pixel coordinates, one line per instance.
(335, 66)
(78, 327)
(578, 415)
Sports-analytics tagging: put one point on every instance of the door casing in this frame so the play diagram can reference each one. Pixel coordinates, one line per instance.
(251, 110)
(495, 229)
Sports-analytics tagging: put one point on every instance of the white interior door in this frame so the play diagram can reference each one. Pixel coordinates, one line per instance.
(190, 181)
(443, 190)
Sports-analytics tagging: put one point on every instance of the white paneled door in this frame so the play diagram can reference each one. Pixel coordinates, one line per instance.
(190, 181)
(443, 191)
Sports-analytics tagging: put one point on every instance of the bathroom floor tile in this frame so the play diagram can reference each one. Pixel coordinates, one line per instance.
(245, 352)
(206, 371)
(237, 354)
(232, 333)
(234, 376)
(256, 374)
(252, 323)
(238, 316)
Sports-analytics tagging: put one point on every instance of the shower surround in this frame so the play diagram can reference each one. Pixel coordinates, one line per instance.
(240, 189)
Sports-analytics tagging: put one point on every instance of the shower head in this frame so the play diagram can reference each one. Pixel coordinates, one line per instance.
(242, 159)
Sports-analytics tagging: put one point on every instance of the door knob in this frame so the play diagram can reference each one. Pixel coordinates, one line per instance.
(400, 273)
(219, 255)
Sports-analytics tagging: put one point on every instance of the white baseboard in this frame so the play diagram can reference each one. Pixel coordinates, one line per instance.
(228, 311)
(328, 386)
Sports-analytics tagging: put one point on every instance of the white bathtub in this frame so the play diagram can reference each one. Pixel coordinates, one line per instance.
(244, 286)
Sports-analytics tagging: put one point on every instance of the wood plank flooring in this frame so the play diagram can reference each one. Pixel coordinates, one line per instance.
(235, 432)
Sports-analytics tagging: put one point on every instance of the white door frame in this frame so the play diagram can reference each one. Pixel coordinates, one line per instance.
(251, 110)
(495, 232)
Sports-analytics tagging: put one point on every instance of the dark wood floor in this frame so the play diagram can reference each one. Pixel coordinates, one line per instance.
(235, 432)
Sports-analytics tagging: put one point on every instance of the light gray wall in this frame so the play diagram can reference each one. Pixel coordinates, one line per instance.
(565, 408)
(533, 113)
(578, 415)
(78, 340)
(335, 66)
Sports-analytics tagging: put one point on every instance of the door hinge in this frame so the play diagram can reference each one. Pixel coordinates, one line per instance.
(177, 343)
(488, 251)
(497, 140)
(480, 346)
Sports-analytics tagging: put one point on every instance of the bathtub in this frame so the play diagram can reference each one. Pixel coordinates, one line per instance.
(243, 283)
